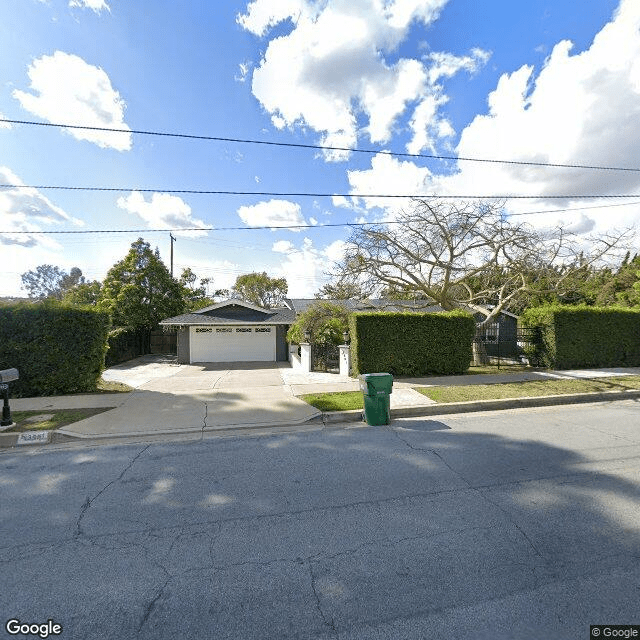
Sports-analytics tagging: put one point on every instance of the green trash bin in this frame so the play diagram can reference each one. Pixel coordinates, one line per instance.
(376, 390)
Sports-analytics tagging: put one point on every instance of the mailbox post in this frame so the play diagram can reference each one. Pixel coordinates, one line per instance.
(6, 375)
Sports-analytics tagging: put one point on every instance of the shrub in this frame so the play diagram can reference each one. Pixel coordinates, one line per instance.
(411, 343)
(585, 336)
(124, 344)
(325, 321)
(56, 348)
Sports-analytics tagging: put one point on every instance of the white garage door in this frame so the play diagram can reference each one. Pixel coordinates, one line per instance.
(233, 344)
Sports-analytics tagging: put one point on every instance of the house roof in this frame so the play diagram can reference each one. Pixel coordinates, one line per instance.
(234, 312)
(241, 312)
(378, 304)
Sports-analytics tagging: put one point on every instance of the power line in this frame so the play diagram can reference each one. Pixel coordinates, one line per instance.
(420, 196)
(321, 147)
(297, 226)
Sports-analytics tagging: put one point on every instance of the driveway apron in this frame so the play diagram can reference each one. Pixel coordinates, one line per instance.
(201, 397)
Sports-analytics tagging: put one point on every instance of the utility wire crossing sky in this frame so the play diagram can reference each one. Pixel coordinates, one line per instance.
(327, 117)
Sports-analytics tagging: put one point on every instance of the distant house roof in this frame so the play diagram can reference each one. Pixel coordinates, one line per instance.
(378, 304)
(234, 312)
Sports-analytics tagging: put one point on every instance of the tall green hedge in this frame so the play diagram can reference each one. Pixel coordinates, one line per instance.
(57, 349)
(411, 343)
(581, 336)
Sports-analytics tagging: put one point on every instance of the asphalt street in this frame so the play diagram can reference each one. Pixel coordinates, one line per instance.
(504, 525)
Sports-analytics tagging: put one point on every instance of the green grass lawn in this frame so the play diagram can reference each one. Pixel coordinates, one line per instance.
(346, 400)
(503, 368)
(105, 386)
(59, 418)
(551, 387)
(338, 401)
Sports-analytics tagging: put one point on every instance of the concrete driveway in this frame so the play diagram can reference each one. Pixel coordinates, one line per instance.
(172, 398)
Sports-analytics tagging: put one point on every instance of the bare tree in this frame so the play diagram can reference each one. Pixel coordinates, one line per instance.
(467, 255)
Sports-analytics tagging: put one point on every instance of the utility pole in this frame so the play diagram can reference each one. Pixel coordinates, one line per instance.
(172, 239)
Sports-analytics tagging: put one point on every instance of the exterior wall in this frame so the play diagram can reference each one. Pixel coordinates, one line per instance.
(294, 358)
(282, 349)
(183, 345)
(507, 344)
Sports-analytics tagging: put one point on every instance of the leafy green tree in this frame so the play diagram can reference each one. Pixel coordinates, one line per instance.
(260, 289)
(326, 323)
(340, 291)
(83, 294)
(49, 281)
(623, 286)
(195, 296)
(139, 291)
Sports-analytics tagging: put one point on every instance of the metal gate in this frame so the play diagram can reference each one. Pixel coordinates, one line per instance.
(325, 357)
(164, 342)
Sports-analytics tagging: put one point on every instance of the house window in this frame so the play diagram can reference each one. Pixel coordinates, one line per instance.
(243, 330)
(204, 330)
(263, 329)
(224, 330)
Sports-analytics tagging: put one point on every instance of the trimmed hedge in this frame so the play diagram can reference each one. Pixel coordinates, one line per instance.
(411, 344)
(57, 349)
(581, 336)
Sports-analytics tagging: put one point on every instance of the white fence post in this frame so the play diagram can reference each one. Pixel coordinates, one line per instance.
(345, 359)
(305, 357)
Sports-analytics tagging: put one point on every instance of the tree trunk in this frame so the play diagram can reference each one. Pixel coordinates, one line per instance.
(480, 356)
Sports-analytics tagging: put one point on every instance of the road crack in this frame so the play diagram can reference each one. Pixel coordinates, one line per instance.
(505, 511)
(329, 622)
(89, 500)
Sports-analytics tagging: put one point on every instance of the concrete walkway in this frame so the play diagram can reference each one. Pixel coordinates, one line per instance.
(171, 398)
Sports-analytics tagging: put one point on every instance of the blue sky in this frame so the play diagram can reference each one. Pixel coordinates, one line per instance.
(523, 81)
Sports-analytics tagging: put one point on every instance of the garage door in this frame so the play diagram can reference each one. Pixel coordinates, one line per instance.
(233, 344)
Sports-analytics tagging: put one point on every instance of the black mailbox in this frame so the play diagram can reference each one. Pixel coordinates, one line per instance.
(6, 375)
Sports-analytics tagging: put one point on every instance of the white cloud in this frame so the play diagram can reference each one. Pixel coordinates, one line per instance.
(26, 209)
(282, 246)
(578, 109)
(223, 273)
(445, 65)
(305, 268)
(163, 211)
(243, 68)
(94, 5)
(275, 213)
(388, 175)
(262, 15)
(66, 89)
(338, 64)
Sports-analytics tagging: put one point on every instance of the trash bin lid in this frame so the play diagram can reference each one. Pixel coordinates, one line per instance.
(376, 383)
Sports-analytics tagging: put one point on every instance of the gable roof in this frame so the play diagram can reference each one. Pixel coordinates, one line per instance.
(231, 302)
(234, 312)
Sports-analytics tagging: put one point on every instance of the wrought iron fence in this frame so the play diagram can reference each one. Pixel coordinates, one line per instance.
(325, 357)
(495, 347)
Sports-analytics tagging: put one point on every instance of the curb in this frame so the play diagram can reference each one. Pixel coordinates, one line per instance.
(331, 417)
(334, 418)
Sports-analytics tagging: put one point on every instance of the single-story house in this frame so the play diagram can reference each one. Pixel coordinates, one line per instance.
(238, 331)
(233, 331)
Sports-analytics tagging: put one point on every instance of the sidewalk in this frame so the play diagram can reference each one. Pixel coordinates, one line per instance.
(171, 399)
